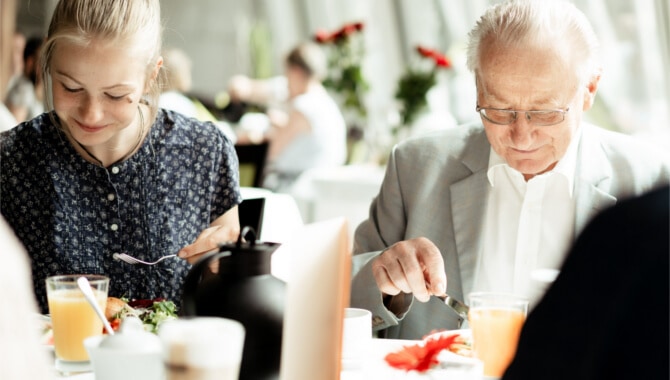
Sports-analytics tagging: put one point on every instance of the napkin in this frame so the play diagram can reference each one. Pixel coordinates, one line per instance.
(317, 294)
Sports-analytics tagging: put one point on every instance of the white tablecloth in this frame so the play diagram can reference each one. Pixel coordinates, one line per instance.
(374, 367)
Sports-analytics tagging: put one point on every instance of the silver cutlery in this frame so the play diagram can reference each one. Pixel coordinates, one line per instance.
(85, 288)
(133, 260)
(459, 307)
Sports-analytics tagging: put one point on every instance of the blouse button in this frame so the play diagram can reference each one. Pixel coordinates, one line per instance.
(114, 227)
(110, 197)
(115, 170)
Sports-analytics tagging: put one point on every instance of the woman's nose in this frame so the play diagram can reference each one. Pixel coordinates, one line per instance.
(91, 110)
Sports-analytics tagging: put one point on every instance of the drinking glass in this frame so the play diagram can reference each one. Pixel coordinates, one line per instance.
(202, 348)
(496, 320)
(72, 318)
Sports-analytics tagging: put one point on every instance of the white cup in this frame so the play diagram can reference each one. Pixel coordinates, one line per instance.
(202, 348)
(356, 337)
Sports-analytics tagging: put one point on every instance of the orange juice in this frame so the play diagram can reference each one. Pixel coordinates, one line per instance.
(495, 334)
(73, 320)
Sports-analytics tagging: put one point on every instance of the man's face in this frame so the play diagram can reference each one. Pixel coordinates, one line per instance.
(531, 79)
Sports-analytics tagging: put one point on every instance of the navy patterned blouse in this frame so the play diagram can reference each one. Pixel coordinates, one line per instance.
(72, 215)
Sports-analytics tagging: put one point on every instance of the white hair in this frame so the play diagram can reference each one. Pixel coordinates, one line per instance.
(519, 23)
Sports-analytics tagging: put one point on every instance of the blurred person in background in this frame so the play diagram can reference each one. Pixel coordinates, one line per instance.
(18, 46)
(175, 92)
(177, 66)
(24, 97)
(309, 132)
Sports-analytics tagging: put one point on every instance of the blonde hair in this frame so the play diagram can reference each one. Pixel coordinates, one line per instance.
(519, 23)
(81, 21)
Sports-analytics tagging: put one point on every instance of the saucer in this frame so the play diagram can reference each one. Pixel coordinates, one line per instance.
(69, 367)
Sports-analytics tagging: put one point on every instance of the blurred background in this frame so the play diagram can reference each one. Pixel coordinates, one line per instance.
(251, 37)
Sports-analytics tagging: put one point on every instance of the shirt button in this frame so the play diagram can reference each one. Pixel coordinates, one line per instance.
(110, 197)
(115, 170)
(114, 227)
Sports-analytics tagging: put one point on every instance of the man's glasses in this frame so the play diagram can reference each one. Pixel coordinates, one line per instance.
(507, 117)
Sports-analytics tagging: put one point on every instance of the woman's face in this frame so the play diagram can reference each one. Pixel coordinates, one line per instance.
(297, 80)
(96, 92)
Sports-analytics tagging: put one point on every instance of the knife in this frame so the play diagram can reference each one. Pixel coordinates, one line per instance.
(459, 307)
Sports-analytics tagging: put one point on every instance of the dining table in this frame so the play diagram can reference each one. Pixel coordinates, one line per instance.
(372, 366)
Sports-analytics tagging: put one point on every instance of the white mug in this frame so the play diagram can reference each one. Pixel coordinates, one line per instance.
(356, 336)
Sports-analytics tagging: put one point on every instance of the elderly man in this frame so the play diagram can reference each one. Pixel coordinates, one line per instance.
(482, 206)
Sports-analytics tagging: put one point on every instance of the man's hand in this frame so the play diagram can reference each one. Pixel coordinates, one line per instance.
(411, 266)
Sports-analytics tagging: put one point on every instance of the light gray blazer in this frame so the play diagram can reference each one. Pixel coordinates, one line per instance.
(436, 187)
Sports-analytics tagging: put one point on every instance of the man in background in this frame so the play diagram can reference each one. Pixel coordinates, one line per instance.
(25, 95)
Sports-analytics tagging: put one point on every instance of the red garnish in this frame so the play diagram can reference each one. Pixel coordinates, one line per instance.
(115, 323)
(144, 303)
(421, 356)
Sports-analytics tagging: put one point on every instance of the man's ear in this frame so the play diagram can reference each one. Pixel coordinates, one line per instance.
(591, 89)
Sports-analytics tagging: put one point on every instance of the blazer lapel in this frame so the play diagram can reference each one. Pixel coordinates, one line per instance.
(468, 203)
(592, 180)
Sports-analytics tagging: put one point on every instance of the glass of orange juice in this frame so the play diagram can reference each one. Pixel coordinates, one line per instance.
(496, 320)
(72, 318)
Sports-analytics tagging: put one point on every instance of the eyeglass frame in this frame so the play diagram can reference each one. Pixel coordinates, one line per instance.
(528, 113)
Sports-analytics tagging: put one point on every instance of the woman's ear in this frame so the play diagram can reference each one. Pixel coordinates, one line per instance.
(154, 73)
(591, 89)
(159, 64)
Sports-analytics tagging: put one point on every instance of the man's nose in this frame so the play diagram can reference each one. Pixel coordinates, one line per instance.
(522, 131)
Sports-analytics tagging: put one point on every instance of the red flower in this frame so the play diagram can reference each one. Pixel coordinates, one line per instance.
(422, 356)
(442, 62)
(321, 36)
(425, 52)
(324, 37)
(440, 59)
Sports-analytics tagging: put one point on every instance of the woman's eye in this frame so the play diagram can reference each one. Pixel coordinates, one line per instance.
(114, 97)
(68, 89)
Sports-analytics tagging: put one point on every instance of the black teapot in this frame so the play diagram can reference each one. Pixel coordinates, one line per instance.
(243, 290)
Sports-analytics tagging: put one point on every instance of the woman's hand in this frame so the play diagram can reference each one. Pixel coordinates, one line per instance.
(225, 228)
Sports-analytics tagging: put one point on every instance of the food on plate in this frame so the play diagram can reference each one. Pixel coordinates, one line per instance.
(46, 334)
(151, 312)
(115, 306)
(461, 346)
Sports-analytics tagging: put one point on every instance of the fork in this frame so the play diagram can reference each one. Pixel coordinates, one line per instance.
(133, 260)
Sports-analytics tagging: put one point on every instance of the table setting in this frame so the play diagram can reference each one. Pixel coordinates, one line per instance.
(245, 323)
(215, 344)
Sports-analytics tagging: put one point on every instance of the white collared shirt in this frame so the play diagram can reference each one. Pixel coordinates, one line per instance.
(527, 226)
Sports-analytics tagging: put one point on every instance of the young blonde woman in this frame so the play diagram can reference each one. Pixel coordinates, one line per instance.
(106, 171)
